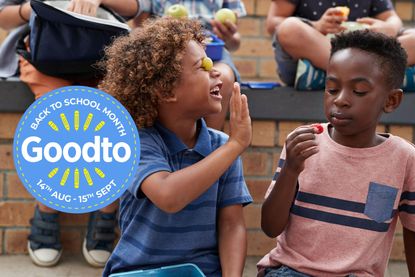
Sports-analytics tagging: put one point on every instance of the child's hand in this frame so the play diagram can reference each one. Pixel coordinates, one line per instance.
(240, 121)
(379, 26)
(86, 7)
(228, 32)
(330, 22)
(300, 145)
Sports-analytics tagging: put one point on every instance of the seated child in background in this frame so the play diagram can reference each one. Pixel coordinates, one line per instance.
(336, 196)
(296, 23)
(185, 204)
(228, 32)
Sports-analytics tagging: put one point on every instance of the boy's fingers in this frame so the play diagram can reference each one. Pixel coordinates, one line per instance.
(299, 131)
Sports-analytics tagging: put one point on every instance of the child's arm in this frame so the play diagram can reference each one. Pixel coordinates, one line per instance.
(409, 242)
(232, 240)
(299, 145)
(171, 192)
(228, 32)
(387, 22)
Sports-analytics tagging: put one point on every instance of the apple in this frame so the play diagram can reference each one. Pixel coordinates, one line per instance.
(177, 11)
(344, 10)
(207, 63)
(319, 129)
(225, 14)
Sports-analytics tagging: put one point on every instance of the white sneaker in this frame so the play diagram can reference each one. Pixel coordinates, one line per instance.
(44, 256)
(96, 258)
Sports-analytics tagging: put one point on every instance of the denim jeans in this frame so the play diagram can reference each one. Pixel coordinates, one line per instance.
(285, 271)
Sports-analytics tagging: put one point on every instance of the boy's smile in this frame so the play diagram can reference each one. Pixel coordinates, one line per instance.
(198, 91)
(355, 97)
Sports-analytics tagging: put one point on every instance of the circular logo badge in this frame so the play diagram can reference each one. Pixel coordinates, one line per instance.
(76, 149)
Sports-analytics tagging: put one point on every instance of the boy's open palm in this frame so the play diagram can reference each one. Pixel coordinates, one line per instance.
(240, 121)
(300, 145)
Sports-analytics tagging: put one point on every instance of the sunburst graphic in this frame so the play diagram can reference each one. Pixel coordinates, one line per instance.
(65, 177)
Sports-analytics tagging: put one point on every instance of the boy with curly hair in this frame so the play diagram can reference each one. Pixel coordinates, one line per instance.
(185, 204)
(336, 196)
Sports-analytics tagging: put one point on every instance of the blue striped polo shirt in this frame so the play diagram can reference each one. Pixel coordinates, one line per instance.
(151, 238)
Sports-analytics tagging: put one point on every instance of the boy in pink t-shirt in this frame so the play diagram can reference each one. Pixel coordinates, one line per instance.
(336, 196)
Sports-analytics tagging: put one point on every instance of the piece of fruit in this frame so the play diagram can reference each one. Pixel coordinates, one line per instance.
(344, 10)
(319, 129)
(207, 63)
(225, 14)
(177, 11)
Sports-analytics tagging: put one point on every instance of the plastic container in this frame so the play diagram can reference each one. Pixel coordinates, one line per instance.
(260, 85)
(182, 270)
(214, 49)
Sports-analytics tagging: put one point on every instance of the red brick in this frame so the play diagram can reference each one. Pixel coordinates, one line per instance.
(3, 35)
(257, 188)
(1, 184)
(380, 128)
(263, 133)
(15, 213)
(252, 215)
(72, 240)
(246, 67)
(6, 156)
(250, 6)
(1, 242)
(15, 188)
(255, 47)
(284, 128)
(262, 7)
(267, 68)
(275, 160)
(67, 219)
(8, 123)
(405, 132)
(259, 244)
(255, 163)
(398, 249)
(249, 26)
(404, 10)
(16, 241)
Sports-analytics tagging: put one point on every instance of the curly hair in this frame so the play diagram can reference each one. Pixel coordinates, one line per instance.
(142, 68)
(392, 58)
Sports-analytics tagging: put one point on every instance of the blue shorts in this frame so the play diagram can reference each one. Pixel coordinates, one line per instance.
(285, 271)
(287, 65)
(227, 59)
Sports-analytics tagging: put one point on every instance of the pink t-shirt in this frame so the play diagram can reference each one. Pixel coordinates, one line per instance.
(345, 212)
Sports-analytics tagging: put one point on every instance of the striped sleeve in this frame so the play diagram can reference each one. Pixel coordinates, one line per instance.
(407, 200)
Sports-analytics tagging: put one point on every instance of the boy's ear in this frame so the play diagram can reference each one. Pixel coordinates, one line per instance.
(393, 101)
(168, 99)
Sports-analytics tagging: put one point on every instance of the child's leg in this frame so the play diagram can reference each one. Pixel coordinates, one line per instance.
(99, 241)
(300, 40)
(407, 40)
(44, 245)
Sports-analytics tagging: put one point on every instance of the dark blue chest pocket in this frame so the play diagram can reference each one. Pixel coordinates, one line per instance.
(379, 202)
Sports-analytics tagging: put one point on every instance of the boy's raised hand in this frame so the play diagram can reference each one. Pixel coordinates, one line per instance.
(299, 146)
(240, 121)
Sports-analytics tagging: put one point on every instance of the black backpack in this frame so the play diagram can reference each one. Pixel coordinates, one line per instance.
(66, 44)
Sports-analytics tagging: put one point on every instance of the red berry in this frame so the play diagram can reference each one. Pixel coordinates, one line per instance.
(318, 128)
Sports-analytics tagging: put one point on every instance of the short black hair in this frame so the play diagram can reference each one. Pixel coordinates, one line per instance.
(392, 57)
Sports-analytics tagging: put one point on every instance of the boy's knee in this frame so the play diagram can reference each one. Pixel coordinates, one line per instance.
(290, 30)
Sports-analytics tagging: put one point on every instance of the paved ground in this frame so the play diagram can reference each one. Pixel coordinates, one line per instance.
(75, 266)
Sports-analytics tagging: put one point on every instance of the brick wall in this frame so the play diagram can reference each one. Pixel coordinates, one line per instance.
(255, 61)
(16, 205)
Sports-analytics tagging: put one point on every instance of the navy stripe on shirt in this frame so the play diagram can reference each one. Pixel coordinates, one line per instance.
(173, 229)
(331, 202)
(408, 195)
(410, 209)
(344, 220)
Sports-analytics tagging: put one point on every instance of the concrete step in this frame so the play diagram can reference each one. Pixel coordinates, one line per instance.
(76, 266)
